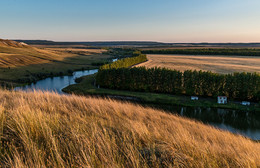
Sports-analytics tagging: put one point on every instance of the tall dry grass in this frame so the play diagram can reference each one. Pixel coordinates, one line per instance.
(49, 130)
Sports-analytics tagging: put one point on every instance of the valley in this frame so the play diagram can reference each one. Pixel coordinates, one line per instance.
(26, 64)
(129, 84)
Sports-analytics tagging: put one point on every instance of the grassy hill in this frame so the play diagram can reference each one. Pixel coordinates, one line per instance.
(15, 54)
(51, 130)
(21, 63)
(10, 43)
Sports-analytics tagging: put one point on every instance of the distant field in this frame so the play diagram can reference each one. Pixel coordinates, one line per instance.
(27, 64)
(218, 64)
(15, 57)
(198, 47)
(71, 50)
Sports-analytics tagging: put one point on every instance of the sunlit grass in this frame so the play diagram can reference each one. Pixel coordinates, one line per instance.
(49, 130)
(213, 63)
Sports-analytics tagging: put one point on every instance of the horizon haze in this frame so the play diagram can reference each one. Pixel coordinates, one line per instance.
(191, 21)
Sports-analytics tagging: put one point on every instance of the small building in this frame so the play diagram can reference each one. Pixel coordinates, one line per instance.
(245, 103)
(222, 99)
(194, 98)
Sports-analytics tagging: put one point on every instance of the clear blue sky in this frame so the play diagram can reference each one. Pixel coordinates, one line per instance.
(140, 20)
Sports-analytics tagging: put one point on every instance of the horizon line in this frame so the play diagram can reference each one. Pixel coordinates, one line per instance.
(97, 41)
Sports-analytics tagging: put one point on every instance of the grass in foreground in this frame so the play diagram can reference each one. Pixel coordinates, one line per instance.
(50, 130)
(86, 87)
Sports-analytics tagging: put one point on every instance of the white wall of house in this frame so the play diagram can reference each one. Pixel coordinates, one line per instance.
(222, 100)
(194, 98)
(245, 103)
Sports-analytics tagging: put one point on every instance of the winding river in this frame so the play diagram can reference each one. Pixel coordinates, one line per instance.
(241, 122)
(56, 84)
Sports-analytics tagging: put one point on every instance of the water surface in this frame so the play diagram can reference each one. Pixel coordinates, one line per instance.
(56, 84)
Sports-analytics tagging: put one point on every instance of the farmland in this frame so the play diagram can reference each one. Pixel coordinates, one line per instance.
(217, 64)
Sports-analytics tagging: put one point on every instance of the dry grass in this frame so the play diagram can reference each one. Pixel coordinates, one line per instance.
(48, 130)
(14, 54)
(218, 64)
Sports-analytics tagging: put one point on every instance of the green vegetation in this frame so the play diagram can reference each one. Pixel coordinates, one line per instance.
(122, 52)
(100, 63)
(145, 85)
(206, 51)
(86, 87)
(125, 62)
(241, 86)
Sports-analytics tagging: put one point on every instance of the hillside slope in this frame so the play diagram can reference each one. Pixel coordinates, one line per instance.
(10, 43)
(22, 64)
(14, 54)
(50, 130)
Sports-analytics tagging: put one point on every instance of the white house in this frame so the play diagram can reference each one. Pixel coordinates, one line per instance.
(245, 103)
(222, 100)
(194, 98)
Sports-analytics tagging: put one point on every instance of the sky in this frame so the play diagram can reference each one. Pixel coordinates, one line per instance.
(131, 20)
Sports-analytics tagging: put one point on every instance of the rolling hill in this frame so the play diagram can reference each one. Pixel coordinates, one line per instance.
(22, 64)
(10, 43)
(14, 54)
(50, 130)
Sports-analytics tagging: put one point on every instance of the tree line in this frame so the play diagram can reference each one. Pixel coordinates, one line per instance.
(122, 52)
(240, 86)
(206, 51)
(126, 62)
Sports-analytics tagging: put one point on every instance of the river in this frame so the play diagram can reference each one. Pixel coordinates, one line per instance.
(56, 84)
(241, 122)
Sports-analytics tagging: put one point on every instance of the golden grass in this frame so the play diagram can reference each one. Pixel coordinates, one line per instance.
(217, 64)
(49, 130)
(14, 54)
(15, 57)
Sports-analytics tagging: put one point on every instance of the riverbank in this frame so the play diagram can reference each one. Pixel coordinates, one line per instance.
(51, 62)
(86, 87)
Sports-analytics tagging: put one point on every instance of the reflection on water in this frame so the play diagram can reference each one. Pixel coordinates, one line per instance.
(241, 122)
(57, 83)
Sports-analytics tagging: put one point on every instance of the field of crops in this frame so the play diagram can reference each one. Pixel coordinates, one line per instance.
(218, 64)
